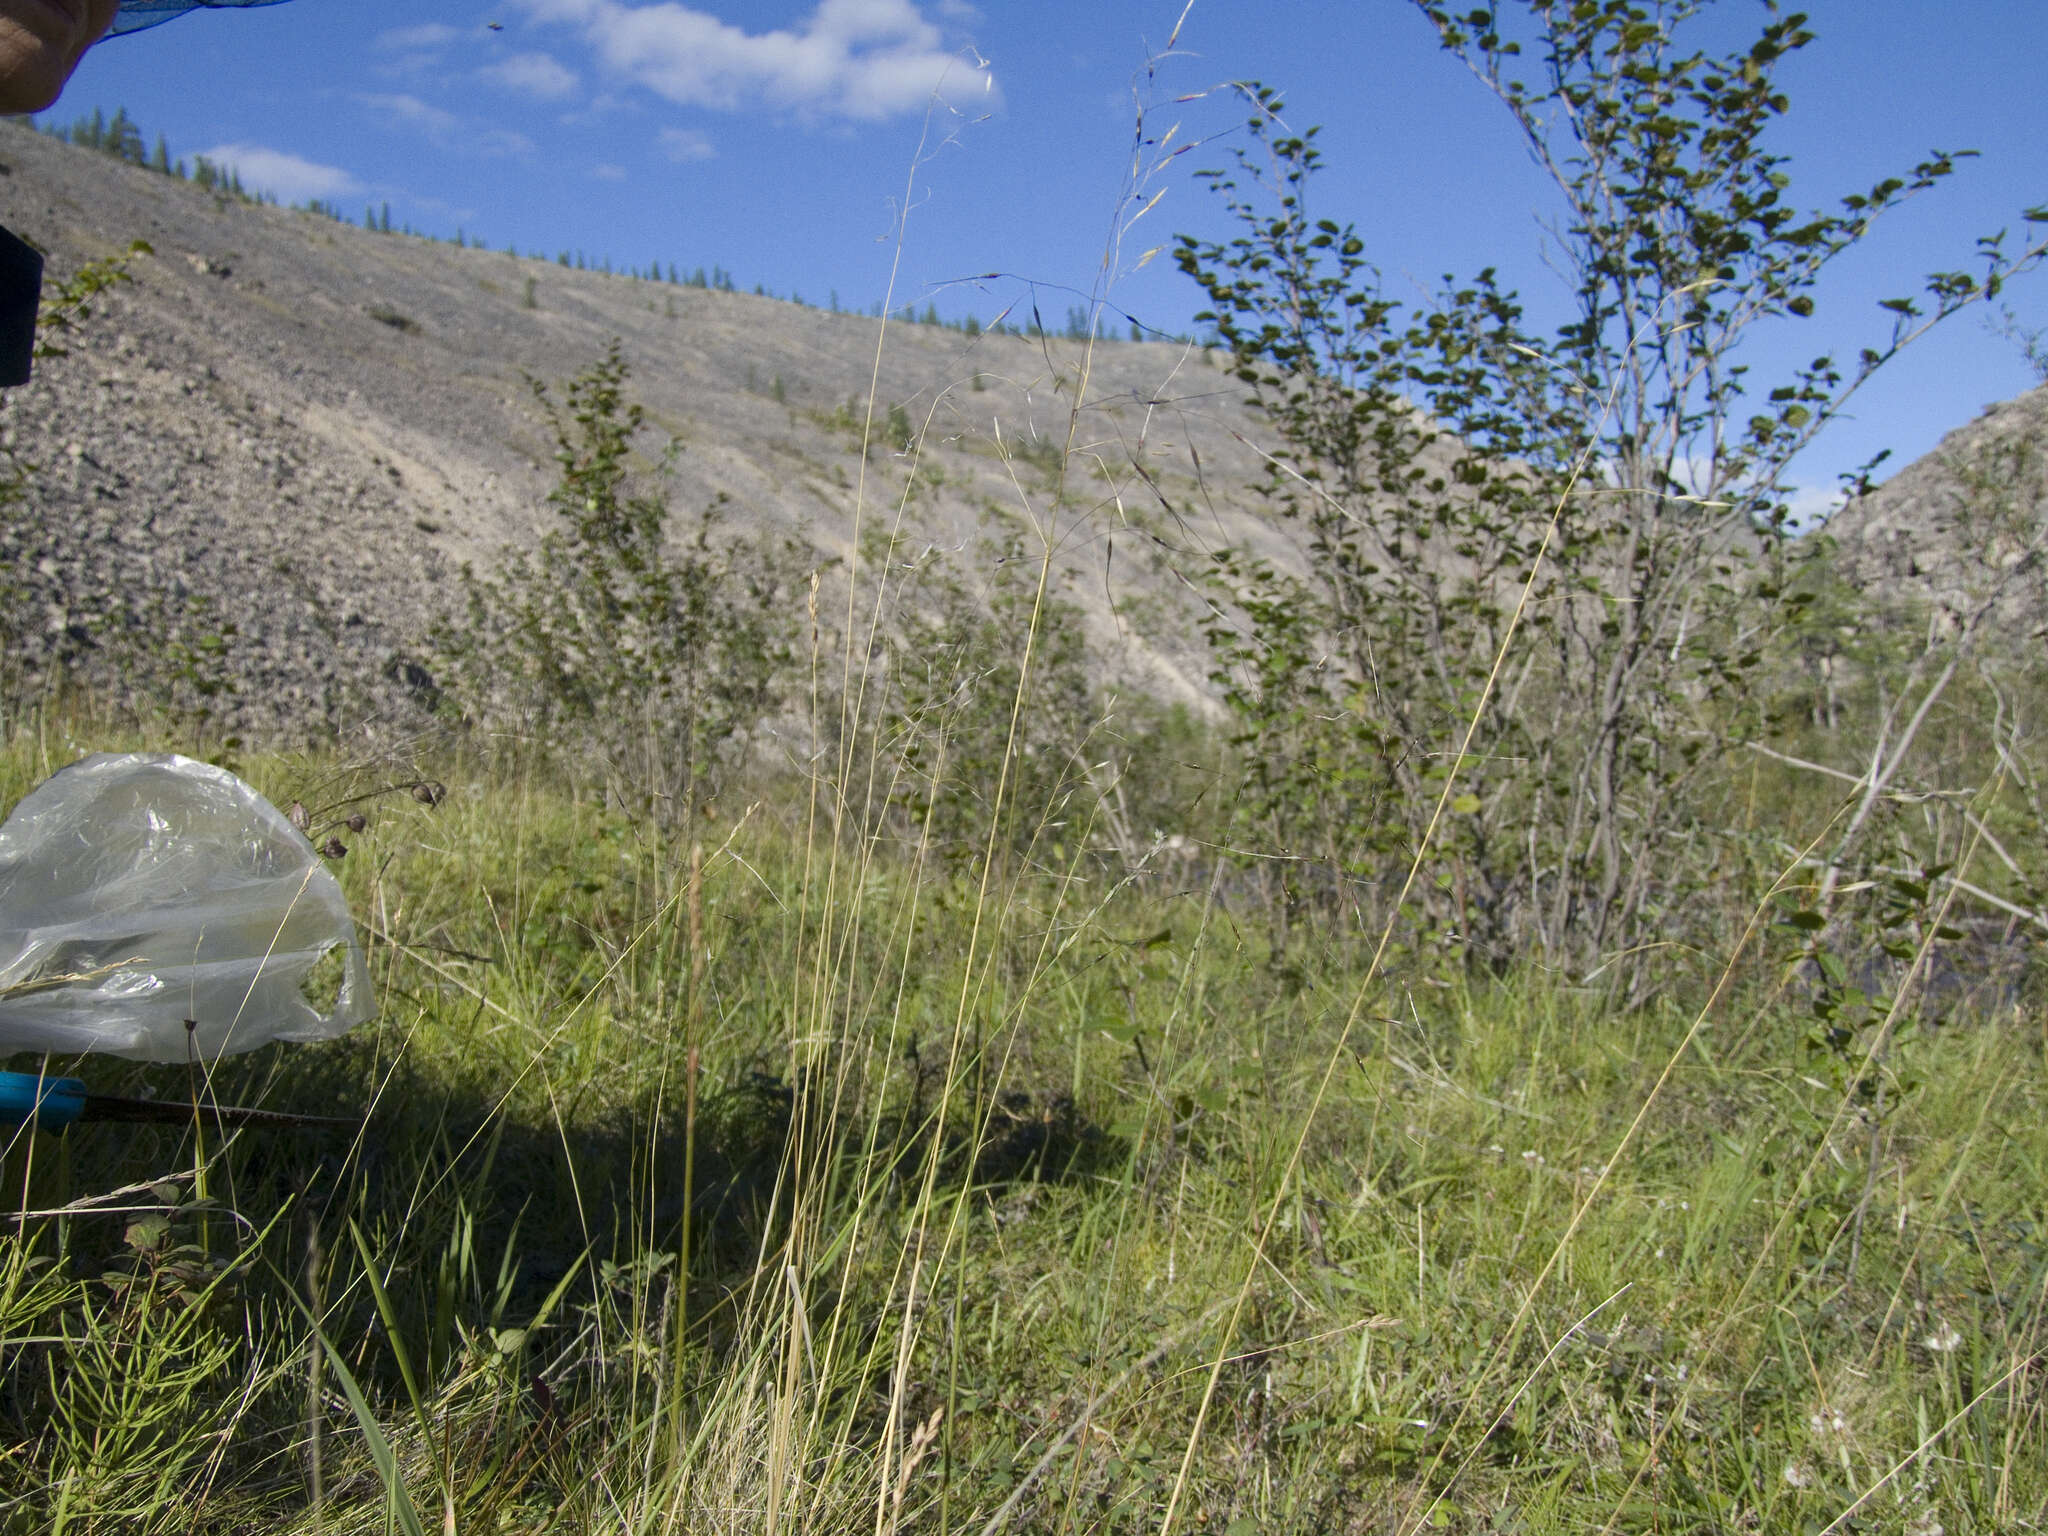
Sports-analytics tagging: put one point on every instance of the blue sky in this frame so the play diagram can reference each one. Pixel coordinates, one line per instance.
(780, 140)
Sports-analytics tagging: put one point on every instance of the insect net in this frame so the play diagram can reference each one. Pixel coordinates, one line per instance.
(159, 908)
(134, 15)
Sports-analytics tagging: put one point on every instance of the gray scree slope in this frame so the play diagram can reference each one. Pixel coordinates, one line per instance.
(303, 428)
(309, 427)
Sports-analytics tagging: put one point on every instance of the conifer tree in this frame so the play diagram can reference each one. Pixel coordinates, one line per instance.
(160, 160)
(125, 139)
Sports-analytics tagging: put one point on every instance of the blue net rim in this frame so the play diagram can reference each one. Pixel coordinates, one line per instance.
(135, 15)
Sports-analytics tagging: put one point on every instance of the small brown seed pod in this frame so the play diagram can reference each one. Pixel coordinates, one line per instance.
(300, 817)
(427, 792)
(334, 848)
(357, 821)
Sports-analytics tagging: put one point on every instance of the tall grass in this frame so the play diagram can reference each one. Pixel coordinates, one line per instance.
(963, 1267)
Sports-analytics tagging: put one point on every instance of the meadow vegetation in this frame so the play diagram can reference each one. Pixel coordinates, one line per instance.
(1562, 1050)
(708, 1186)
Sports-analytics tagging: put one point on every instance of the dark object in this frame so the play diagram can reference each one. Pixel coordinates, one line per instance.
(21, 291)
(416, 680)
(398, 320)
(57, 1103)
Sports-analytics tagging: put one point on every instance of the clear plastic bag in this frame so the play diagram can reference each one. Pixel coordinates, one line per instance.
(142, 890)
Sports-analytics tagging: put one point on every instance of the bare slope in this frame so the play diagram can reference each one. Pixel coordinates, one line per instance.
(308, 426)
(1965, 524)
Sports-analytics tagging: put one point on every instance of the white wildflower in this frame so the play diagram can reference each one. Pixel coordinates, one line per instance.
(1942, 1341)
(1823, 1422)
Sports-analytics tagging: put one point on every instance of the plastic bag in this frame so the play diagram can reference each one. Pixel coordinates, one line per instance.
(142, 890)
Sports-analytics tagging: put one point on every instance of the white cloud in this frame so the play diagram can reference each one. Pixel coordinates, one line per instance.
(609, 172)
(534, 74)
(287, 177)
(432, 35)
(1807, 506)
(1812, 505)
(413, 51)
(860, 59)
(413, 113)
(443, 128)
(685, 144)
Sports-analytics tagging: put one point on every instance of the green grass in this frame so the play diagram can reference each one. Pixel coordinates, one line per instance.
(994, 1197)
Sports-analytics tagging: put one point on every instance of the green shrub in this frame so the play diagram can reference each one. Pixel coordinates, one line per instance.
(1544, 570)
(659, 659)
(974, 757)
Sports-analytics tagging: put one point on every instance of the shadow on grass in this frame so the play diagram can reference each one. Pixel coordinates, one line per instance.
(443, 1175)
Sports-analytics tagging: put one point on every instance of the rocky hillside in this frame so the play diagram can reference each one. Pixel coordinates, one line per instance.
(273, 448)
(1964, 526)
(255, 475)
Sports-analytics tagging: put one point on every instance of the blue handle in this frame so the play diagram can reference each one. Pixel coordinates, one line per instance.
(52, 1102)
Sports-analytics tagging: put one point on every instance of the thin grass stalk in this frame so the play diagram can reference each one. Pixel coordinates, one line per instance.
(1871, 1054)
(1336, 1057)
